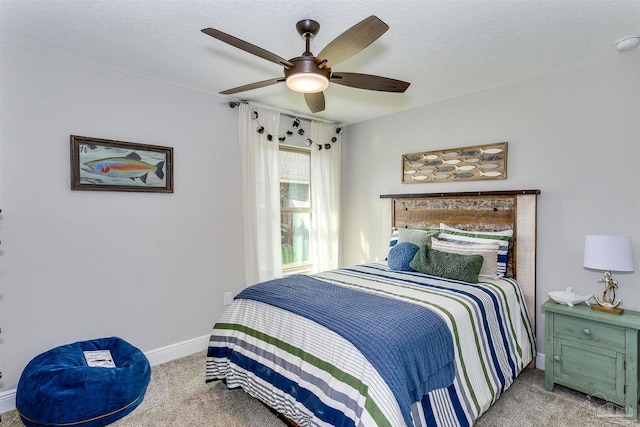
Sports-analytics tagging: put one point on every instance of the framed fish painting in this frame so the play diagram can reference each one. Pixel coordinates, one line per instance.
(107, 165)
(472, 163)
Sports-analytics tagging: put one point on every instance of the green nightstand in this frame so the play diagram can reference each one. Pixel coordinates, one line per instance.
(593, 352)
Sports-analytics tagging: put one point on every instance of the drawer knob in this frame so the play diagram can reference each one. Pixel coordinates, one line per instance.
(586, 331)
(556, 358)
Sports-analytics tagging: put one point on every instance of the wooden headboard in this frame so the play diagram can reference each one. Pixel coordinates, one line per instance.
(480, 211)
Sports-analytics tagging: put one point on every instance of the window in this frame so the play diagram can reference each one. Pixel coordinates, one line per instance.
(295, 208)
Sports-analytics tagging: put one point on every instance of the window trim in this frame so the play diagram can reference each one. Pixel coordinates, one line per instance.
(300, 268)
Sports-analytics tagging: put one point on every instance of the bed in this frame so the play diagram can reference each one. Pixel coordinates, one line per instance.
(434, 351)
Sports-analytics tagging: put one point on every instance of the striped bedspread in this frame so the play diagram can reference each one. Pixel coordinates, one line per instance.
(315, 377)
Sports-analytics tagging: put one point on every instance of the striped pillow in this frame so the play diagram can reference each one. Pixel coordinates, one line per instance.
(394, 238)
(452, 234)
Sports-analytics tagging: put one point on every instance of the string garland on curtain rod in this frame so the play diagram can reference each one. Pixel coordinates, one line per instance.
(295, 124)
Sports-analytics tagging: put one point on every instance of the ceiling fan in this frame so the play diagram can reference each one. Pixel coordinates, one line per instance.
(310, 74)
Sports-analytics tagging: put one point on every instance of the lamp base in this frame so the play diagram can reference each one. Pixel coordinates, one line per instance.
(612, 310)
(609, 303)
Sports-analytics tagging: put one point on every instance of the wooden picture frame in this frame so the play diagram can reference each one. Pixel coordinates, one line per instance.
(108, 165)
(471, 163)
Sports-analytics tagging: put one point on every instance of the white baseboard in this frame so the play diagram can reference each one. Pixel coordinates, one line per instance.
(7, 401)
(156, 357)
(178, 350)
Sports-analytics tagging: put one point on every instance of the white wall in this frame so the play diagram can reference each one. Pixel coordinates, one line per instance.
(76, 265)
(574, 134)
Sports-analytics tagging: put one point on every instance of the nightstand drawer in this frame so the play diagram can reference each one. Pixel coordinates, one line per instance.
(589, 331)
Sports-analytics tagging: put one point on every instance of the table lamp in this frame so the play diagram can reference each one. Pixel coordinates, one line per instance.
(608, 253)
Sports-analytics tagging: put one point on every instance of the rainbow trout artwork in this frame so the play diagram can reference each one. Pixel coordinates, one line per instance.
(131, 167)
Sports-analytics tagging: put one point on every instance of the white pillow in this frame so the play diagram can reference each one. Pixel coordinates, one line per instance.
(452, 234)
(489, 252)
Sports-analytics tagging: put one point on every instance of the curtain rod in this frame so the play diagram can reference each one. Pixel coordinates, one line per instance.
(234, 104)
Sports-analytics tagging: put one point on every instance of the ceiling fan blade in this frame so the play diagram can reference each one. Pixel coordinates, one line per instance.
(369, 82)
(247, 47)
(315, 101)
(251, 86)
(352, 41)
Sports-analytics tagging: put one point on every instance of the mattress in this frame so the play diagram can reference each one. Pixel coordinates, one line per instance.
(316, 377)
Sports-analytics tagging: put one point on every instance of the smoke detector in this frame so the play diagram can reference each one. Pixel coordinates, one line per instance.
(628, 42)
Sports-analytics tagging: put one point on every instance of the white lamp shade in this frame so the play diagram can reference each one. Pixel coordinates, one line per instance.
(610, 253)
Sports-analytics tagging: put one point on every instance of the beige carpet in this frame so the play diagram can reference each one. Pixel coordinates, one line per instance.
(178, 396)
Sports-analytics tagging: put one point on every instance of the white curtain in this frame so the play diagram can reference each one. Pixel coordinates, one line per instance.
(325, 196)
(260, 195)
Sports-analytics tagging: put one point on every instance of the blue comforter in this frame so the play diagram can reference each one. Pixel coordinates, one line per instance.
(412, 364)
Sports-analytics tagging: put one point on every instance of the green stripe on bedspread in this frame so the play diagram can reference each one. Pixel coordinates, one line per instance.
(335, 372)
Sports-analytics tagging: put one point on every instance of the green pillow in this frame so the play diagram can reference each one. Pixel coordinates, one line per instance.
(448, 265)
(417, 236)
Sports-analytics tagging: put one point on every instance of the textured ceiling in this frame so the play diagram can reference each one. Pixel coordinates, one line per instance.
(444, 48)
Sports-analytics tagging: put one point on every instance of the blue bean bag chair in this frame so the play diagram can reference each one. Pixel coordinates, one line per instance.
(58, 388)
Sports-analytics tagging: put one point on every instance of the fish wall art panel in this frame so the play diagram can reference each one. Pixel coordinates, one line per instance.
(473, 163)
(107, 165)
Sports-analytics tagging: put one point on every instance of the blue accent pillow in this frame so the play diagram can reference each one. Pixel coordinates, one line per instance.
(401, 255)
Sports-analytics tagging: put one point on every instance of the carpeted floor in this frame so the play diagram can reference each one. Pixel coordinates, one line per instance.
(178, 396)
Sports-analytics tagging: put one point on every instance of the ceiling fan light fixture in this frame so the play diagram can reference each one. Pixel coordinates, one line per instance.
(305, 76)
(307, 82)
